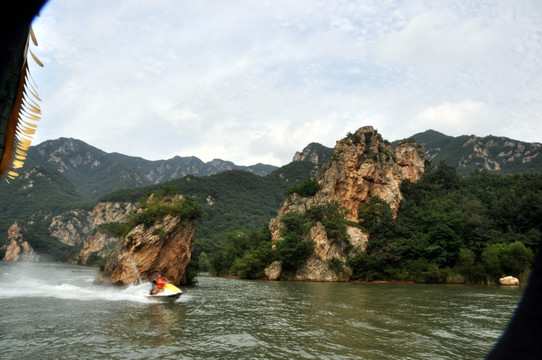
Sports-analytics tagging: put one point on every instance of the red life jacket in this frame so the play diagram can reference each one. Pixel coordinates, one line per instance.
(160, 282)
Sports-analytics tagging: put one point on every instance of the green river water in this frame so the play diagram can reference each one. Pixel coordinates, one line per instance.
(53, 311)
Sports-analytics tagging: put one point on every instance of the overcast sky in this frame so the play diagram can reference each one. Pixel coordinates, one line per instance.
(256, 81)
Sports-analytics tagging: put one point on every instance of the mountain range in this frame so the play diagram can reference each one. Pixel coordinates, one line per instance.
(94, 172)
(469, 152)
(65, 174)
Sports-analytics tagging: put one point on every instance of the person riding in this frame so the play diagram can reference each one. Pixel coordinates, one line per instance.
(158, 283)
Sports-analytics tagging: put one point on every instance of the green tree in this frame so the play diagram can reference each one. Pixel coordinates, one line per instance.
(468, 267)
(516, 259)
(383, 229)
(446, 176)
(370, 213)
(204, 262)
(491, 259)
(364, 267)
(333, 216)
(305, 189)
(293, 249)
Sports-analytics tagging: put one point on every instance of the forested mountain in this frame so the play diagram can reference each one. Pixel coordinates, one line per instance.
(67, 174)
(231, 200)
(449, 228)
(468, 152)
(95, 172)
(465, 153)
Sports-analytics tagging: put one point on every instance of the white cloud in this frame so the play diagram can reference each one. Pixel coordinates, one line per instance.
(462, 118)
(441, 40)
(255, 81)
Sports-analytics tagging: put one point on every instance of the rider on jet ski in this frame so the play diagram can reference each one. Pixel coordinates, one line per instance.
(158, 283)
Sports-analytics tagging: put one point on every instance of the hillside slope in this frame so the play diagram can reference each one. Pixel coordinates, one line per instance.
(95, 172)
(468, 152)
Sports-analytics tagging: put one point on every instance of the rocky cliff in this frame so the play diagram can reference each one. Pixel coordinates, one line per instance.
(366, 165)
(314, 153)
(362, 166)
(17, 248)
(80, 228)
(75, 228)
(164, 246)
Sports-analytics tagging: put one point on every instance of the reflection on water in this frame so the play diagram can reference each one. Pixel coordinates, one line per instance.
(54, 311)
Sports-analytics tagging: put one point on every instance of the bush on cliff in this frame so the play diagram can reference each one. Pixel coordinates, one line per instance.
(294, 248)
(307, 188)
(157, 207)
(333, 216)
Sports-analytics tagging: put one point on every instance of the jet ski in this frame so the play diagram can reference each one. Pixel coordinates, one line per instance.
(169, 294)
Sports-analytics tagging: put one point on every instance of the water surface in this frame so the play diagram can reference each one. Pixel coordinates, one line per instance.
(53, 311)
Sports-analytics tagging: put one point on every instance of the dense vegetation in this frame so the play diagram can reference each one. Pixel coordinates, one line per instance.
(158, 206)
(243, 254)
(307, 188)
(448, 229)
(232, 202)
(454, 229)
(247, 254)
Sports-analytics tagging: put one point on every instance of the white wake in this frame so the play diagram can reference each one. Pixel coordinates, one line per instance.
(63, 282)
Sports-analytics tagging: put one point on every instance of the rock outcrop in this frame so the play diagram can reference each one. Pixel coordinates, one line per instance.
(509, 280)
(73, 227)
(165, 246)
(17, 248)
(363, 165)
(98, 242)
(76, 228)
(314, 153)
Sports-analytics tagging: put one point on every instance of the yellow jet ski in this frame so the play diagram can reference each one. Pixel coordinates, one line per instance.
(169, 294)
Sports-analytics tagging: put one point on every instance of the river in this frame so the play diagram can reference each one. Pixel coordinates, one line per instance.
(53, 311)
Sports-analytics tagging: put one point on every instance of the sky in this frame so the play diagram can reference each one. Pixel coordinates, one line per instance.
(254, 81)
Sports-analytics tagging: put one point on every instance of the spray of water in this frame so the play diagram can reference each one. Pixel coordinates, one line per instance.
(63, 282)
(134, 265)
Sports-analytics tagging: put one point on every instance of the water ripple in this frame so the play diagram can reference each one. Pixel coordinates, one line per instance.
(60, 314)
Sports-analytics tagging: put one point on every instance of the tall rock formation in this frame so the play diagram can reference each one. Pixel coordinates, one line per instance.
(363, 165)
(17, 248)
(165, 246)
